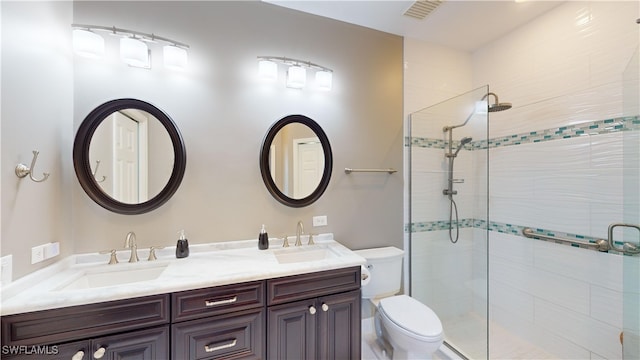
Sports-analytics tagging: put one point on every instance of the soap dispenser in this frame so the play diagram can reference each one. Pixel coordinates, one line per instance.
(263, 239)
(182, 247)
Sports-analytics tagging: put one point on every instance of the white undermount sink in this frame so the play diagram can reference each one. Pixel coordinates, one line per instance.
(111, 276)
(303, 254)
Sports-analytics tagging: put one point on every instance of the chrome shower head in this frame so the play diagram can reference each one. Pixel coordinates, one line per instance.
(497, 105)
(463, 142)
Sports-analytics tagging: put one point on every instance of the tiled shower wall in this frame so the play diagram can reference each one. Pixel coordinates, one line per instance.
(564, 74)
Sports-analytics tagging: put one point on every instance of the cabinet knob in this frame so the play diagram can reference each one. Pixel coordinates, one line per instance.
(325, 307)
(99, 353)
(78, 356)
(312, 310)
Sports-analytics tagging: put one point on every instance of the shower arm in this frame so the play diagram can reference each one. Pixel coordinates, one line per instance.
(449, 128)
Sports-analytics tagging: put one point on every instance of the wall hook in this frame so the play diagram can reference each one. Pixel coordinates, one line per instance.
(96, 171)
(23, 170)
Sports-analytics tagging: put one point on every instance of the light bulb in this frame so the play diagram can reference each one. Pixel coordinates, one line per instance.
(134, 52)
(87, 43)
(175, 57)
(268, 70)
(296, 77)
(324, 79)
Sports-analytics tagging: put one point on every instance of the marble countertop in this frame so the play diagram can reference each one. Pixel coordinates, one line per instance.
(207, 265)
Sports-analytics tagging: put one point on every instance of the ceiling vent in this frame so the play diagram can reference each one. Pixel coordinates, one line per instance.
(422, 8)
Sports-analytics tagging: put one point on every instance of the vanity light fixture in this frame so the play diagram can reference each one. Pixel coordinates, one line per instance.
(296, 77)
(134, 49)
(324, 80)
(175, 57)
(296, 72)
(268, 70)
(134, 52)
(87, 43)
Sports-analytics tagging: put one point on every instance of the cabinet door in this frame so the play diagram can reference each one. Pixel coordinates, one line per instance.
(291, 333)
(339, 328)
(149, 344)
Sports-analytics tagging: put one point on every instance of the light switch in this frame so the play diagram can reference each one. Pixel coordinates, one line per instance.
(320, 220)
(6, 269)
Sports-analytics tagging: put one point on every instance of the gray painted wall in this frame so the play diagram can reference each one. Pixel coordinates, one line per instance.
(223, 111)
(37, 114)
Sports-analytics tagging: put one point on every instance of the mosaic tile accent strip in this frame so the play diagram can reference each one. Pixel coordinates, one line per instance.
(426, 142)
(438, 225)
(607, 126)
(501, 228)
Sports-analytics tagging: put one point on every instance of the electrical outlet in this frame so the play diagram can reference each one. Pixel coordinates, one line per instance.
(6, 269)
(51, 250)
(37, 254)
(320, 220)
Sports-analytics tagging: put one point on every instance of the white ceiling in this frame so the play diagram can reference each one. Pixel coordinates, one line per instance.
(459, 24)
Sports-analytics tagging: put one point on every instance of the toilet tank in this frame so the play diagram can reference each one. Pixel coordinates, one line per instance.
(385, 266)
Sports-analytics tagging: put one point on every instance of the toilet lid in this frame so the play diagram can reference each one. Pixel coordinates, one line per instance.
(412, 316)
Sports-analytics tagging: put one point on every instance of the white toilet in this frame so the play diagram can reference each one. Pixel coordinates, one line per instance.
(412, 329)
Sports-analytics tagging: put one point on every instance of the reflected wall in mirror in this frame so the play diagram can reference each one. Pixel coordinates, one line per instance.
(129, 156)
(296, 161)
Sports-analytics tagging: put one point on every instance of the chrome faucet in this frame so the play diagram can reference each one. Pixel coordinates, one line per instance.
(130, 243)
(299, 231)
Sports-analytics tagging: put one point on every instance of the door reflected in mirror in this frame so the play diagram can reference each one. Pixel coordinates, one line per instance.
(131, 156)
(296, 160)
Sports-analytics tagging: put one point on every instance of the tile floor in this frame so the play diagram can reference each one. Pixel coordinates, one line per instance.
(504, 345)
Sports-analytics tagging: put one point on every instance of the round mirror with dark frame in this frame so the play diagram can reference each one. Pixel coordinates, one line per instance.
(296, 161)
(129, 156)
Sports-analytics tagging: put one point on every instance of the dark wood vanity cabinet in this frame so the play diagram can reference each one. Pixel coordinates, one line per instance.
(308, 316)
(135, 328)
(325, 324)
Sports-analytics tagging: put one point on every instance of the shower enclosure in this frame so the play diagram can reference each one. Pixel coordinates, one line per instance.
(480, 180)
(449, 213)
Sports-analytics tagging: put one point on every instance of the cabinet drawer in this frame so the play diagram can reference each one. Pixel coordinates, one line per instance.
(236, 335)
(84, 321)
(194, 304)
(305, 286)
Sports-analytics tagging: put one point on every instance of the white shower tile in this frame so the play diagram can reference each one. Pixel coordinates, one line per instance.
(607, 150)
(585, 331)
(602, 269)
(606, 305)
(553, 287)
(510, 247)
(512, 301)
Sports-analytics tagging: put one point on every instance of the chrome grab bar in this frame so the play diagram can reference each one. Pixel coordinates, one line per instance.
(627, 247)
(600, 244)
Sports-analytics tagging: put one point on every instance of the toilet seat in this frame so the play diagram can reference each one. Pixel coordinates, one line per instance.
(413, 318)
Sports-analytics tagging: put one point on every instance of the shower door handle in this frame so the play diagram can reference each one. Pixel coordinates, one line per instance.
(627, 248)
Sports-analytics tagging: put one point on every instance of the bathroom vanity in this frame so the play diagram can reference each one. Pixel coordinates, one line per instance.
(277, 308)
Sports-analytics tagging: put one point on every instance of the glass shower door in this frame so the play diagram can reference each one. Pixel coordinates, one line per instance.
(631, 184)
(448, 217)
